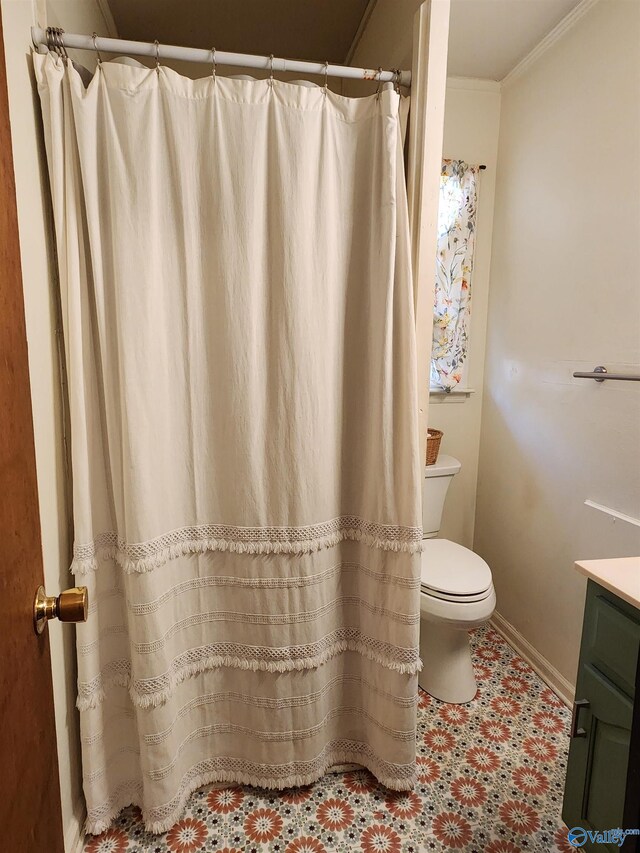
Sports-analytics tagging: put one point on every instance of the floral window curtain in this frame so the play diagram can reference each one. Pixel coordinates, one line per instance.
(454, 265)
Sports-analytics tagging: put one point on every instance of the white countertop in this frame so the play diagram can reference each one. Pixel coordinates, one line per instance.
(620, 576)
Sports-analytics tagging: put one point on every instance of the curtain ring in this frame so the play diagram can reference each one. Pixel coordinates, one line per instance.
(326, 77)
(271, 69)
(379, 75)
(396, 81)
(55, 42)
(213, 63)
(157, 44)
(95, 47)
(63, 49)
(50, 41)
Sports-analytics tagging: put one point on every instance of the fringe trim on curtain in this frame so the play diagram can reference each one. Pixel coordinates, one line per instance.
(90, 696)
(394, 777)
(146, 556)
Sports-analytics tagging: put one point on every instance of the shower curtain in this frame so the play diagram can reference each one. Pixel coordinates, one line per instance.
(239, 339)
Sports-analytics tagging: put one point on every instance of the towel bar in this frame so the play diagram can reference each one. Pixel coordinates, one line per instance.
(601, 373)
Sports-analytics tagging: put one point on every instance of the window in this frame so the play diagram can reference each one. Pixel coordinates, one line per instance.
(454, 265)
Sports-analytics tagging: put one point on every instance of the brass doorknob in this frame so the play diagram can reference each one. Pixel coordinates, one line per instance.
(72, 605)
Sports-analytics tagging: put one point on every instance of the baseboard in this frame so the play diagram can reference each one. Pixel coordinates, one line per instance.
(563, 689)
(74, 835)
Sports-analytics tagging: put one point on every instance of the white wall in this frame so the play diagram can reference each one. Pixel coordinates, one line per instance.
(564, 296)
(471, 124)
(472, 116)
(40, 312)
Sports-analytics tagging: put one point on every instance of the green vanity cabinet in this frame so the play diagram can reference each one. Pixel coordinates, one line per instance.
(602, 789)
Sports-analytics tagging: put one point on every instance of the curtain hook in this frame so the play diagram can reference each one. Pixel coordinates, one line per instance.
(326, 77)
(379, 75)
(271, 69)
(95, 47)
(397, 76)
(213, 63)
(157, 44)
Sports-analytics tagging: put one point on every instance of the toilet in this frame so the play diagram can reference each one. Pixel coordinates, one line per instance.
(456, 595)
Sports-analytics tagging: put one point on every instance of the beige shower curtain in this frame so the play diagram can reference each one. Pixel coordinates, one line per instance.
(239, 338)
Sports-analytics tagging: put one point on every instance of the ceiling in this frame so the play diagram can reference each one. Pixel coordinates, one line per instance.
(320, 30)
(487, 37)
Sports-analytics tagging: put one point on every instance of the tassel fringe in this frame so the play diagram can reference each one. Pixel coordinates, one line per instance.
(394, 783)
(159, 697)
(83, 565)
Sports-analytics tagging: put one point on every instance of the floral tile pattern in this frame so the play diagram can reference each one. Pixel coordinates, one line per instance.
(491, 778)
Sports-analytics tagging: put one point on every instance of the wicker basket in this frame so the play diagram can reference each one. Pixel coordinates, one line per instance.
(433, 445)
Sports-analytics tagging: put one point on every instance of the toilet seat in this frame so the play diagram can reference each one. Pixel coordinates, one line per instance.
(463, 599)
(452, 572)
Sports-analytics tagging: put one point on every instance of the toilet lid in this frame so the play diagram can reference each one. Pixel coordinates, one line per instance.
(451, 569)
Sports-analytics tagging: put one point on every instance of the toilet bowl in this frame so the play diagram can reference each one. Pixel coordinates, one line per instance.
(456, 595)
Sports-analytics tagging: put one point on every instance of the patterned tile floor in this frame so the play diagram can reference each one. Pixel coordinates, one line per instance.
(491, 781)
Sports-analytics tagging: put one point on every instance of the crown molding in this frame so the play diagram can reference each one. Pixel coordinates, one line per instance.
(550, 39)
(473, 84)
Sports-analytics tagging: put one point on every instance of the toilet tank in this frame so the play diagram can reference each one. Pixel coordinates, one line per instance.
(435, 484)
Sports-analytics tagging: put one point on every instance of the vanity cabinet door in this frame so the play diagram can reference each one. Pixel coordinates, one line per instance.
(595, 790)
(603, 730)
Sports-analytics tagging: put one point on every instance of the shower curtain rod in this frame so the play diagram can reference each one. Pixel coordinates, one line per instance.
(42, 42)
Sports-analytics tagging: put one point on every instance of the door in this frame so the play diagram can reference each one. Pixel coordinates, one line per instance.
(30, 818)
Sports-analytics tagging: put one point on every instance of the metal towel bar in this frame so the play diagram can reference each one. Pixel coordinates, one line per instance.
(601, 373)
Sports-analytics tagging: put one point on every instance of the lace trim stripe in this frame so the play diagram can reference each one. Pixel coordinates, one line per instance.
(272, 619)
(151, 692)
(145, 556)
(128, 793)
(274, 704)
(278, 703)
(269, 583)
(398, 777)
(213, 616)
(106, 726)
(290, 736)
(276, 737)
(126, 751)
(111, 630)
(294, 582)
